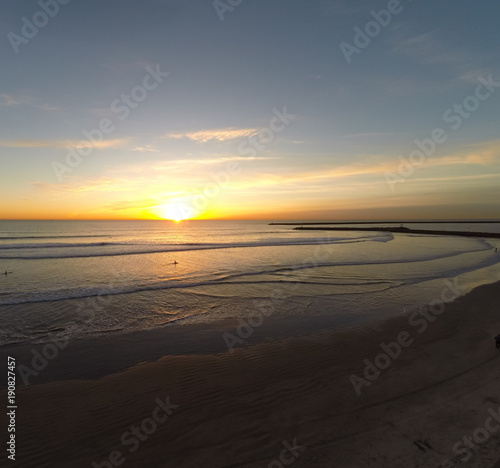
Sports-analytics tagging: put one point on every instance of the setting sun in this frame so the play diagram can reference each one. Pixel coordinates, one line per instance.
(177, 209)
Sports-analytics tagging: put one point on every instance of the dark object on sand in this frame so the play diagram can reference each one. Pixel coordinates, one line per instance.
(497, 341)
(175, 262)
(8, 273)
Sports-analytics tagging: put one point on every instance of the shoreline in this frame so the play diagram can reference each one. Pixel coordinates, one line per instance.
(382, 222)
(403, 230)
(236, 409)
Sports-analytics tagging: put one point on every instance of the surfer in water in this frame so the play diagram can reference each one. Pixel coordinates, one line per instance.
(175, 262)
(8, 273)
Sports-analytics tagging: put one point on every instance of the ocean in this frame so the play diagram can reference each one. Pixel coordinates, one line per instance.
(78, 279)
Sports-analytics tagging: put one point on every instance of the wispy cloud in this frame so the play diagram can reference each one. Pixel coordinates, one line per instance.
(126, 205)
(429, 48)
(158, 169)
(371, 135)
(483, 155)
(474, 165)
(315, 77)
(472, 76)
(458, 178)
(100, 184)
(219, 160)
(151, 177)
(8, 100)
(146, 149)
(221, 134)
(115, 143)
(195, 167)
(341, 8)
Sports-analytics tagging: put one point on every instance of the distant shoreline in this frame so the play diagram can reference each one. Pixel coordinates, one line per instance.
(404, 230)
(383, 222)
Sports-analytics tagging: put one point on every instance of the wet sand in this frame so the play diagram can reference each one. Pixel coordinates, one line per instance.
(237, 409)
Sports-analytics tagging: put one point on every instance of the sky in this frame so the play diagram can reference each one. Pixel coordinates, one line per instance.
(239, 109)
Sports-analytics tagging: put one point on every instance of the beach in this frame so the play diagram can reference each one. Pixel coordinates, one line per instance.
(242, 234)
(276, 395)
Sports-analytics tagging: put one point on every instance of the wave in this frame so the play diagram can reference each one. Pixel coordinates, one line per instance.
(59, 237)
(491, 261)
(163, 248)
(58, 245)
(54, 296)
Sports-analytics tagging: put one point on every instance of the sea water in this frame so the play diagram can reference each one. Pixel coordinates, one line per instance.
(84, 278)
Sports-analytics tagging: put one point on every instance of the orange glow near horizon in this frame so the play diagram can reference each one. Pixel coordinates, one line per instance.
(181, 207)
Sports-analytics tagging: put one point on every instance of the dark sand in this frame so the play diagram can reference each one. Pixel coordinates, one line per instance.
(235, 410)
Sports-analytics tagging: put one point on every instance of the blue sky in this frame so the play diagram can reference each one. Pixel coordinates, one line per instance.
(338, 157)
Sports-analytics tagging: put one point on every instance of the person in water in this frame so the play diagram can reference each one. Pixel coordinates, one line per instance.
(175, 262)
(497, 341)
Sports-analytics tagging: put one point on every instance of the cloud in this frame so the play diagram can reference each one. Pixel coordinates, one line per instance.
(115, 143)
(480, 155)
(146, 149)
(474, 165)
(190, 165)
(472, 76)
(341, 8)
(153, 170)
(221, 134)
(458, 178)
(148, 177)
(126, 205)
(315, 77)
(221, 160)
(101, 184)
(7, 100)
(428, 48)
(371, 135)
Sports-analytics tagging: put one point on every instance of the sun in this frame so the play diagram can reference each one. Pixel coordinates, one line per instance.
(177, 209)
